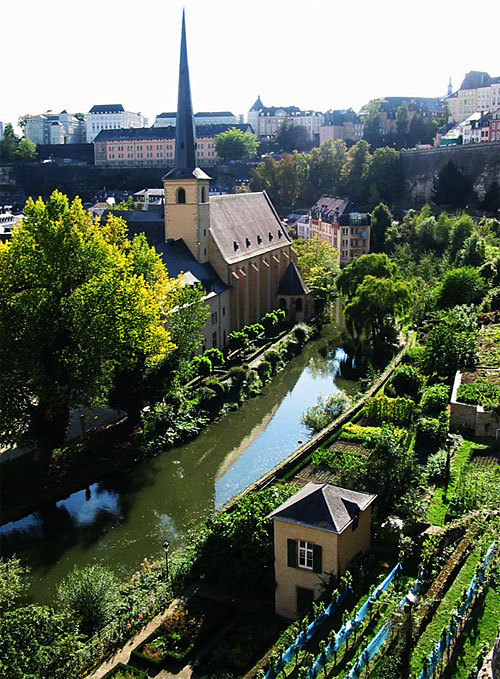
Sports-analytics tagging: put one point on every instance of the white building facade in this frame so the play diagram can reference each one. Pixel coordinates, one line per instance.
(203, 118)
(111, 117)
(55, 128)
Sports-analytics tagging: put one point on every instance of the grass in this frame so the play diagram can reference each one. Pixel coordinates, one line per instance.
(481, 631)
(438, 507)
(442, 616)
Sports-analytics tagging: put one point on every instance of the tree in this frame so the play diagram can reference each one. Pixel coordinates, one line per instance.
(325, 167)
(460, 286)
(372, 131)
(90, 595)
(491, 200)
(292, 137)
(327, 409)
(318, 264)
(378, 265)
(21, 121)
(385, 175)
(402, 118)
(13, 582)
(451, 344)
(452, 187)
(26, 150)
(235, 144)
(8, 144)
(375, 305)
(381, 221)
(77, 302)
(36, 641)
(354, 172)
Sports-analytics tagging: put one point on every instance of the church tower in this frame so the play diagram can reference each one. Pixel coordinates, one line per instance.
(187, 207)
(450, 88)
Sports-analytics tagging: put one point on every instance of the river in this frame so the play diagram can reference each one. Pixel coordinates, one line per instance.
(129, 515)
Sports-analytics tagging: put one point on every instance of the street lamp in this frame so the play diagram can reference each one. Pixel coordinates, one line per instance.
(166, 546)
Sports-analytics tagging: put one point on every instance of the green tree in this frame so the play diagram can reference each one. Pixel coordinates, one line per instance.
(74, 307)
(318, 264)
(13, 582)
(402, 118)
(460, 286)
(378, 265)
(381, 221)
(21, 121)
(461, 230)
(325, 167)
(90, 595)
(235, 144)
(385, 175)
(36, 641)
(8, 144)
(26, 150)
(265, 178)
(292, 138)
(372, 131)
(491, 200)
(354, 172)
(451, 344)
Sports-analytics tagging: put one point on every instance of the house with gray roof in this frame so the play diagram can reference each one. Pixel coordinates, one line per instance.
(318, 532)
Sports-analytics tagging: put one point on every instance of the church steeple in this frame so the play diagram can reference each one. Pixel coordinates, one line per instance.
(450, 88)
(185, 132)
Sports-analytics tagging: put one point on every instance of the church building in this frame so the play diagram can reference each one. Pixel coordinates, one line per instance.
(238, 240)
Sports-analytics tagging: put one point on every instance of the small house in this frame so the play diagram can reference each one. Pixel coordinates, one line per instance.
(317, 533)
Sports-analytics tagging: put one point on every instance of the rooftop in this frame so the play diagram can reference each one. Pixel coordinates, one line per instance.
(292, 283)
(323, 506)
(178, 259)
(107, 108)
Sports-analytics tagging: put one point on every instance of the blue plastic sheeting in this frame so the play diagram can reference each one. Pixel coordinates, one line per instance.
(379, 639)
(304, 637)
(451, 631)
(346, 630)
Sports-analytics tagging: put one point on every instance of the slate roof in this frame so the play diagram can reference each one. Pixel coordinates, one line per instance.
(271, 110)
(244, 225)
(292, 283)
(178, 259)
(475, 79)
(150, 222)
(107, 108)
(324, 506)
(258, 104)
(330, 209)
(205, 114)
(341, 116)
(160, 133)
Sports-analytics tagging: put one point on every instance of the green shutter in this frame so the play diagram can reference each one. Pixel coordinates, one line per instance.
(317, 559)
(292, 552)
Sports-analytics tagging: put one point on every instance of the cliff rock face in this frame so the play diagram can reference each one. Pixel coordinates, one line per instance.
(479, 162)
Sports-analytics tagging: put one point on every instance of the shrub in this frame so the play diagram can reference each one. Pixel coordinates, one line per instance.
(215, 356)
(204, 366)
(431, 432)
(385, 409)
(406, 380)
(434, 399)
(273, 356)
(280, 315)
(269, 321)
(253, 331)
(290, 348)
(264, 370)
(205, 394)
(237, 339)
(238, 376)
(355, 432)
(122, 671)
(216, 385)
(480, 392)
(327, 409)
(436, 468)
(413, 356)
(90, 594)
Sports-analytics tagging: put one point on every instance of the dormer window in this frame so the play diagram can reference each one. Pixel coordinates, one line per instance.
(247, 242)
(259, 239)
(181, 196)
(235, 245)
(279, 234)
(270, 236)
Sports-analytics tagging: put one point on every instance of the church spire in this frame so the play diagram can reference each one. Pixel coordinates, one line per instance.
(185, 133)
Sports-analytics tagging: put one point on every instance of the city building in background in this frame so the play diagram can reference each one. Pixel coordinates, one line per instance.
(344, 124)
(55, 128)
(151, 146)
(267, 121)
(111, 117)
(214, 118)
(478, 92)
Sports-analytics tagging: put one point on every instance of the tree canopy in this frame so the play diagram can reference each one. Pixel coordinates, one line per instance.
(26, 150)
(318, 265)
(235, 144)
(78, 301)
(378, 265)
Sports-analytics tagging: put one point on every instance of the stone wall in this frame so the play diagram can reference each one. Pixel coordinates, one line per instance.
(468, 417)
(479, 162)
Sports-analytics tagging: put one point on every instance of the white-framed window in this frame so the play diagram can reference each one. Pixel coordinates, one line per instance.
(305, 555)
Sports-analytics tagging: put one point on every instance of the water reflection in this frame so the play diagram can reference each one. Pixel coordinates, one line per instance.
(127, 516)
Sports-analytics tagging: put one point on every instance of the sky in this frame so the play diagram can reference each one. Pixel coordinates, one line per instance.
(315, 54)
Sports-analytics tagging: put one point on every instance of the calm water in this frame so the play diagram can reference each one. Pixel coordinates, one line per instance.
(128, 516)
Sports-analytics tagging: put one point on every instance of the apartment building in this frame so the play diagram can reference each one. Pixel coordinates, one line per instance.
(111, 117)
(341, 124)
(267, 121)
(478, 92)
(335, 221)
(202, 118)
(55, 128)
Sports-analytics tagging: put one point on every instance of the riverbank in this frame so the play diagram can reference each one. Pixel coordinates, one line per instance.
(25, 487)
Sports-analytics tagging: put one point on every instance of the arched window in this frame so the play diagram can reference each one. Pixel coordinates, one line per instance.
(298, 304)
(203, 194)
(283, 305)
(181, 196)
